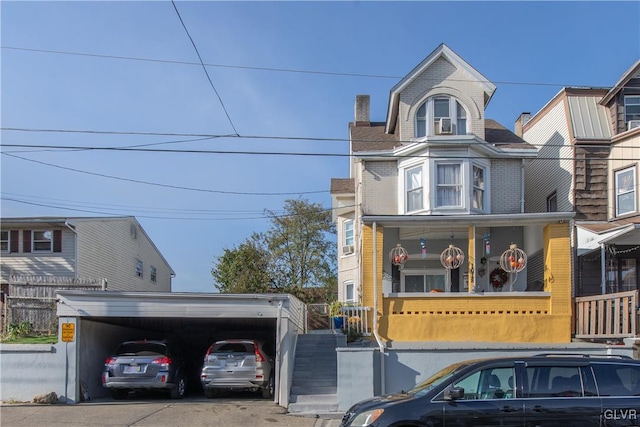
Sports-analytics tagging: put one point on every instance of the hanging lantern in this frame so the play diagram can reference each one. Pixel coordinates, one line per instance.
(451, 258)
(513, 260)
(398, 255)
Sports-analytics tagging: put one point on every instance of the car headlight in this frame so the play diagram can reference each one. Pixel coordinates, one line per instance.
(366, 418)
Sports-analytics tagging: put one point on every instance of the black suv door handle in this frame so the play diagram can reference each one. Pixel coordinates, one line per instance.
(509, 409)
(537, 408)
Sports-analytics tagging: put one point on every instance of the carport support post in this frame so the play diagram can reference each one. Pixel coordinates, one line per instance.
(71, 349)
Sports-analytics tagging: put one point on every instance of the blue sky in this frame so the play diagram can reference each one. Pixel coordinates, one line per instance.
(139, 75)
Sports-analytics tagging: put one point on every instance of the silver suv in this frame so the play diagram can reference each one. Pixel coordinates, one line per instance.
(238, 364)
(144, 365)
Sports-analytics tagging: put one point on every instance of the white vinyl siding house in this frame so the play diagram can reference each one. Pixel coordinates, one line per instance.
(90, 248)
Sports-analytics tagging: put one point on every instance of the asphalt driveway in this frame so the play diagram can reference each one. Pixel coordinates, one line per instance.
(158, 412)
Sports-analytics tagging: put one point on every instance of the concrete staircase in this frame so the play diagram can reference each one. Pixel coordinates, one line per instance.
(315, 375)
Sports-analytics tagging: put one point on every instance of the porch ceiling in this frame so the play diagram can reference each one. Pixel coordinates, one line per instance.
(446, 222)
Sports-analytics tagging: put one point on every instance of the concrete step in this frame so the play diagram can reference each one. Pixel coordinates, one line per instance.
(314, 374)
(315, 409)
(313, 390)
(320, 382)
(320, 398)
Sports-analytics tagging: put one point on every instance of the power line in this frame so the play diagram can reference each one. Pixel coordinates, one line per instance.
(203, 67)
(177, 187)
(281, 70)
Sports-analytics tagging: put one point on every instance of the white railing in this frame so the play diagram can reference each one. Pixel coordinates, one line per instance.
(356, 319)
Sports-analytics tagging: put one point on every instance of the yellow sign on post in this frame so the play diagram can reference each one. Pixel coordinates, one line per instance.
(68, 332)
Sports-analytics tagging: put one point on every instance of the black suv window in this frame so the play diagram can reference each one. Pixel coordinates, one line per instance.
(141, 349)
(553, 381)
(617, 380)
(491, 383)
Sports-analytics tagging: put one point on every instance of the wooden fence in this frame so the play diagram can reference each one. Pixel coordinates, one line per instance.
(609, 316)
(32, 299)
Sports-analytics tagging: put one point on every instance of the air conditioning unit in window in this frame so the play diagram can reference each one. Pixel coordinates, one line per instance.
(445, 126)
(632, 124)
(348, 249)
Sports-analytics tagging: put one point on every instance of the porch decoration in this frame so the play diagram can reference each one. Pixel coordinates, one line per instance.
(423, 247)
(498, 278)
(513, 261)
(452, 257)
(398, 255)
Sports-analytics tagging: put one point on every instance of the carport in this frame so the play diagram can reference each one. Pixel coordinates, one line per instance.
(95, 322)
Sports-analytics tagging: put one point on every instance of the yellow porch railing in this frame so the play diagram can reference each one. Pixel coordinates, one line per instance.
(607, 316)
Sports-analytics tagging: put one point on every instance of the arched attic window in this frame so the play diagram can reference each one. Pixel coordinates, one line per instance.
(441, 115)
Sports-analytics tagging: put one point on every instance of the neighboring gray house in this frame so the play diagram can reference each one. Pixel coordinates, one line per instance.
(589, 142)
(113, 248)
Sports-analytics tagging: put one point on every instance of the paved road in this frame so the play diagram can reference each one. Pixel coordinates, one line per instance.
(158, 413)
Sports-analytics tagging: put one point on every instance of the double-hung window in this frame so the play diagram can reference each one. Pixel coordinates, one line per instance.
(42, 241)
(448, 185)
(631, 108)
(153, 274)
(478, 188)
(625, 191)
(440, 115)
(4, 241)
(349, 295)
(348, 232)
(139, 269)
(414, 188)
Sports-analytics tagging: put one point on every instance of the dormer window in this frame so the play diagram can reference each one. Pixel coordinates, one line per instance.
(441, 115)
(632, 111)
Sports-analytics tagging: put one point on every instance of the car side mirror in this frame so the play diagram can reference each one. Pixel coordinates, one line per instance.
(454, 393)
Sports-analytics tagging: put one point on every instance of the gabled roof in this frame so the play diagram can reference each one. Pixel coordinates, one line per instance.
(442, 51)
(628, 75)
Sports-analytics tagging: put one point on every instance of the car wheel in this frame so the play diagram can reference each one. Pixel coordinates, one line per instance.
(177, 391)
(267, 392)
(118, 393)
(210, 393)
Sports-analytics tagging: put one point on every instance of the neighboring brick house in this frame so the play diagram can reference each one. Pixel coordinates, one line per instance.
(113, 248)
(432, 205)
(589, 141)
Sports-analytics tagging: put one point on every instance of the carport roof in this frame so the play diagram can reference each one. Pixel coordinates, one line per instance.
(177, 305)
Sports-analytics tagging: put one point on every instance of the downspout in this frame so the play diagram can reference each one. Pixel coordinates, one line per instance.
(522, 186)
(276, 371)
(603, 269)
(75, 248)
(375, 307)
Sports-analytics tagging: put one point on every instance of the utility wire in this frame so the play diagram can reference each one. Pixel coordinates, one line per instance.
(282, 70)
(203, 190)
(203, 67)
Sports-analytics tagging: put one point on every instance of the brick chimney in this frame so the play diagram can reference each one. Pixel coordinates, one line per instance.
(520, 122)
(362, 113)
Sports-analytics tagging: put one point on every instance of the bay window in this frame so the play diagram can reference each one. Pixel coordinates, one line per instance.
(414, 188)
(478, 188)
(448, 185)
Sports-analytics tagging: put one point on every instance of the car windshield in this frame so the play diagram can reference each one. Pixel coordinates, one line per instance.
(436, 379)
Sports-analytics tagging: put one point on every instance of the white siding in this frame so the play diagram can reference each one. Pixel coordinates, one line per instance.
(41, 264)
(380, 188)
(106, 248)
(624, 154)
(506, 189)
(553, 169)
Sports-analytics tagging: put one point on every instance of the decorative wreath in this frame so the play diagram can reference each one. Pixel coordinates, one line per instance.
(498, 278)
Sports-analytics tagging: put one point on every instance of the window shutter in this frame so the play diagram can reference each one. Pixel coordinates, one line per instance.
(57, 240)
(15, 241)
(26, 240)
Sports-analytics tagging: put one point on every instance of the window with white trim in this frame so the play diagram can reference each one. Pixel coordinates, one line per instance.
(448, 185)
(478, 188)
(441, 115)
(42, 240)
(625, 191)
(4, 241)
(139, 269)
(414, 186)
(631, 108)
(422, 280)
(153, 274)
(348, 232)
(349, 291)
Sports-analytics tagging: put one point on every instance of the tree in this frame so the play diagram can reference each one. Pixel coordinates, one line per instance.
(244, 269)
(294, 256)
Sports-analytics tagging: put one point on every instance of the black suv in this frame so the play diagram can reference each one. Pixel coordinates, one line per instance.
(543, 390)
